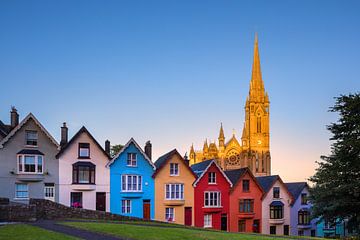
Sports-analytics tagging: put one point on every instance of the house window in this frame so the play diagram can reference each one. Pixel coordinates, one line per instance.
(276, 212)
(246, 205)
(273, 230)
(303, 199)
(169, 214)
(212, 199)
(84, 150)
(31, 138)
(21, 190)
(131, 183)
(212, 177)
(242, 225)
(301, 233)
(83, 173)
(207, 221)
(174, 169)
(174, 191)
(245, 185)
(126, 206)
(276, 192)
(49, 191)
(131, 159)
(30, 164)
(303, 218)
(76, 199)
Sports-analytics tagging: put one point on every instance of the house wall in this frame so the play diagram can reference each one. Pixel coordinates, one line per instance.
(102, 175)
(223, 186)
(237, 194)
(119, 167)
(294, 228)
(285, 198)
(8, 164)
(162, 178)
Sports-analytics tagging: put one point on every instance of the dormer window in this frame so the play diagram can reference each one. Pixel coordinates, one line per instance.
(212, 177)
(31, 138)
(174, 169)
(84, 150)
(276, 192)
(131, 159)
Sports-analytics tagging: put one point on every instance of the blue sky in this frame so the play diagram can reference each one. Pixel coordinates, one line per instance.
(171, 71)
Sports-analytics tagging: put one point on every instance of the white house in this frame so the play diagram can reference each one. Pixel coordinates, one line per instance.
(84, 179)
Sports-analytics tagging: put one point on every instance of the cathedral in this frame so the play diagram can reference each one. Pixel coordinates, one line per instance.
(253, 150)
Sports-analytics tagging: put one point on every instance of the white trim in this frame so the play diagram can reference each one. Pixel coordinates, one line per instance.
(178, 169)
(125, 147)
(181, 187)
(53, 193)
(21, 124)
(36, 162)
(218, 199)
(208, 219)
(20, 198)
(126, 206)
(203, 173)
(173, 219)
(126, 182)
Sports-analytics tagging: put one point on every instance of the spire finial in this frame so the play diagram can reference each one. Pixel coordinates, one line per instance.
(256, 83)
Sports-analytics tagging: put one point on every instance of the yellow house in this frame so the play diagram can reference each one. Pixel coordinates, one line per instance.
(174, 193)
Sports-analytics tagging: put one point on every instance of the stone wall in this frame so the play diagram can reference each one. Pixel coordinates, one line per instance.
(15, 212)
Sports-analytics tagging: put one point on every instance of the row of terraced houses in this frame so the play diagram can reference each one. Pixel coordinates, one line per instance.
(79, 172)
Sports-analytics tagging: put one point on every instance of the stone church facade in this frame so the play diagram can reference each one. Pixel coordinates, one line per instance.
(253, 150)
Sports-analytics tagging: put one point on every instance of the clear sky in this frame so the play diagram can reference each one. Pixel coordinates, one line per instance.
(171, 71)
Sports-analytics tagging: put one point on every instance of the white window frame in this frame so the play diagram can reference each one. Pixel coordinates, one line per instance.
(16, 191)
(174, 188)
(174, 169)
(126, 206)
(133, 161)
(212, 200)
(208, 221)
(26, 139)
(212, 177)
(22, 163)
(50, 189)
(168, 214)
(138, 183)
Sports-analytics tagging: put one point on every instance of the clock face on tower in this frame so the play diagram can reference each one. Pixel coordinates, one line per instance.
(259, 142)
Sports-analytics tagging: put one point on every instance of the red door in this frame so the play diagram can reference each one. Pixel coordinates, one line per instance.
(188, 216)
(146, 209)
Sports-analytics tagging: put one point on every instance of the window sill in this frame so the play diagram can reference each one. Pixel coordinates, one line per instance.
(31, 146)
(207, 226)
(172, 175)
(212, 183)
(21, 198)
(212, 206)
(131, 166)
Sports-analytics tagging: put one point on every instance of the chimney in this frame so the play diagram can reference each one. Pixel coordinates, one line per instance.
(107, 147)
(14, 117)
(148, 147)
(186, 159)
(64, 135)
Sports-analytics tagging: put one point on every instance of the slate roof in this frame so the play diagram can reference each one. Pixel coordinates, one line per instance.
(30, 151)
(82, 130)
(4, 129)
(295, 188)
(266, 182)
(234, 175)
(200, 167)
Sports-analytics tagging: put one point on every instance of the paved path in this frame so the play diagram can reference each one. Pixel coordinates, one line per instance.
(79, 233)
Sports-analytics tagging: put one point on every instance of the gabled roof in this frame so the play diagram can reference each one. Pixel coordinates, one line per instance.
(76, 136)
(21, 124)
(295, 188)
(4, 129)
(201, 168)
(268, 181)
(132, 140)
(161, 162)
(236, 174)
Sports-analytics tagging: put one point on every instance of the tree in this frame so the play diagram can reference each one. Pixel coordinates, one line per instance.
(115, 149)
(336, 191)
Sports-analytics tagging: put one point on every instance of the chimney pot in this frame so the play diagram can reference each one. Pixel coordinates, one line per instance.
(14, 117)
(64, 135)
(107, 147)
(148, 149)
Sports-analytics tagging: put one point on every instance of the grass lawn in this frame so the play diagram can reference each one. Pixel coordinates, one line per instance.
(162, 233)
(24, 232)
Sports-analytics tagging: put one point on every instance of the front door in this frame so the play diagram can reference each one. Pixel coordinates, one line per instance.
(242, 225)
(256, 226)
(100, 201)
(146, 209)
(273, 230)
(188, 216)
(223, 222)
(286, 229)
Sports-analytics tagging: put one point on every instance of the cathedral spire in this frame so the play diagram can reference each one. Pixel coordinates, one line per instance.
(221, 134)
(256, 83)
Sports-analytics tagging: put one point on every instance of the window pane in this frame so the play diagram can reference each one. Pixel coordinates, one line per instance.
(84, 174)
(40, 164)
(29, 163)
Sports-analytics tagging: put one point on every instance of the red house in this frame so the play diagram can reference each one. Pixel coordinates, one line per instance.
(245, 201)
(211, 192)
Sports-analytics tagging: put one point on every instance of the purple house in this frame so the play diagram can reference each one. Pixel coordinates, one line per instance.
(300, 215)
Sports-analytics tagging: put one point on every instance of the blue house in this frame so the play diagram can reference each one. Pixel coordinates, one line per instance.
(131, 182)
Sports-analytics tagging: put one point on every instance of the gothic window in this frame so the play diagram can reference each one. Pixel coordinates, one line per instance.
(258, 119)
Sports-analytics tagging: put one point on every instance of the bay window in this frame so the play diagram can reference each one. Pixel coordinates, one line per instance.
(246, 205)
(30, 164)
(276, 212)
(303, 218)
(83, 173)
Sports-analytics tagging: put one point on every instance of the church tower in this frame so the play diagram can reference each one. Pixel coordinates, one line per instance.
(256, 131)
